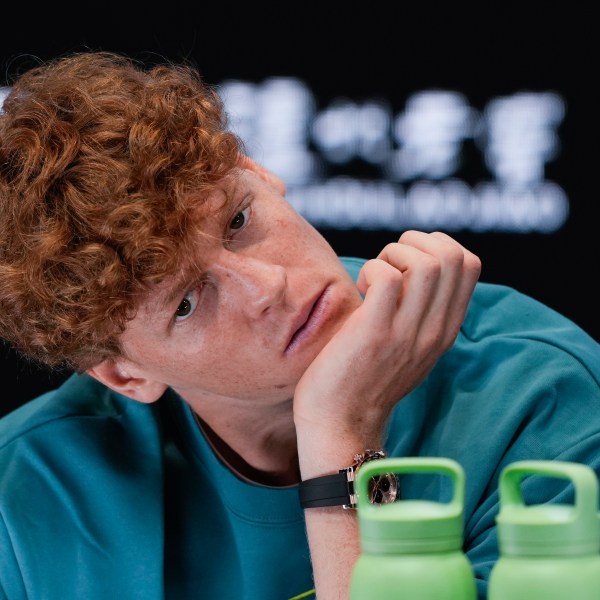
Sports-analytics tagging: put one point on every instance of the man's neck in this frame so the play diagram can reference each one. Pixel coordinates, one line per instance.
(260, 447)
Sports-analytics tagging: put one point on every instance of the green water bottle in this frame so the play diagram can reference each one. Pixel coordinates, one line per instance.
(412, 549)
(547, 551)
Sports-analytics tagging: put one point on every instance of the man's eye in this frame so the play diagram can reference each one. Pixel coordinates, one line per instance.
(240, 219)
(187, 306)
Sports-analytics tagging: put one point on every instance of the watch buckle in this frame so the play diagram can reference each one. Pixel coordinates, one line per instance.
(359, 459)
(350, 478)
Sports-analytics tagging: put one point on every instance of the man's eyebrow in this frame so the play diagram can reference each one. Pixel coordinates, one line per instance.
(177, 287)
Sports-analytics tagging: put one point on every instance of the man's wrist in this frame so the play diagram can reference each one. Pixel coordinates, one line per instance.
(325, 451)
(338, 489)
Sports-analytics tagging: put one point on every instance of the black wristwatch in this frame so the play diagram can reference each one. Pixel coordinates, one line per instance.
(338, 489)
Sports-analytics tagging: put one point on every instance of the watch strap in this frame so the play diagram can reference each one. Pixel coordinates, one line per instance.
(329, 490)
(337, 489)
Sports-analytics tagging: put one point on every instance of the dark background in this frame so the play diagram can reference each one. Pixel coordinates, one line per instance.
(364, 50)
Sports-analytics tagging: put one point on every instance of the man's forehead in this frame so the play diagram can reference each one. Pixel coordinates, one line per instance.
(209, 205)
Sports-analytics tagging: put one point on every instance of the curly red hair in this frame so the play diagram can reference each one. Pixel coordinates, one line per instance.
(103, 162)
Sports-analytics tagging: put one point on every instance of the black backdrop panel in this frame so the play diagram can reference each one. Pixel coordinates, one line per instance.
(364, 69)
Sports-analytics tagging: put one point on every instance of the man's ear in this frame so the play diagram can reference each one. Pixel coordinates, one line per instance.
(247, 163)
(117, 375)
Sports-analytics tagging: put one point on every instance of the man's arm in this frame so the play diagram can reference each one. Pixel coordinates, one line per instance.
(416, 294)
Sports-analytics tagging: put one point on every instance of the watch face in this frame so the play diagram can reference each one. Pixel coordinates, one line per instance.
(383, 488)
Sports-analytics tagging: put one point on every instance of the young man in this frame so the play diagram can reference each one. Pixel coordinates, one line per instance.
(224, 354)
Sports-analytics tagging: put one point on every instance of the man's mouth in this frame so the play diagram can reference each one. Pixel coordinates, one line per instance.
(308, 321)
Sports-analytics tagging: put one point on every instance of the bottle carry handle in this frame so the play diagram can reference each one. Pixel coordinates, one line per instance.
(426, 465)
(583, 478)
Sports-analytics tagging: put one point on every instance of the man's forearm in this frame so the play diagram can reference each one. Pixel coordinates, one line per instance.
(334, 547)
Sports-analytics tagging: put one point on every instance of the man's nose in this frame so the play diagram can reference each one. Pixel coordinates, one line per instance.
(255, 284)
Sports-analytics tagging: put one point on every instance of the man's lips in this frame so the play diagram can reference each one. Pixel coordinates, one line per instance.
(308, 320)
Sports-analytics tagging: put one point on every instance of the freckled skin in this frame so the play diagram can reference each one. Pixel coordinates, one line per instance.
(233, 345)
(288, 370)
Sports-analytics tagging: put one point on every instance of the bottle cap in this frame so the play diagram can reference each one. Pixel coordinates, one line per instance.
(549, 529)
(411, 526)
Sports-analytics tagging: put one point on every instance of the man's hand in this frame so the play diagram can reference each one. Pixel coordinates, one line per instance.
(416, 293)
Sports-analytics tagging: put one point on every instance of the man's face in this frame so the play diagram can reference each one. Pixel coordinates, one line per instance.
(270, 294)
